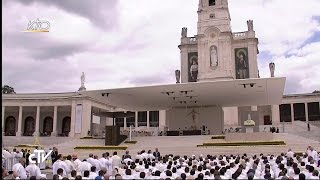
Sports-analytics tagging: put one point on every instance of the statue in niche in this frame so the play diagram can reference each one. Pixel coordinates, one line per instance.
(272, 68)
(194, 70)
(250, 25)
(213, 56)
(184, 32)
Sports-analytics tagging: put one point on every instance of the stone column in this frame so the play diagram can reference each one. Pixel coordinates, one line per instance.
(55, 121)
(136, 119)
(275, 115)
(19, 132)
(148, 120)
(162, 119)
(36, 132)
(73, 119)
(125, 123)
(307, 113)
(292, 113)
(3, 120)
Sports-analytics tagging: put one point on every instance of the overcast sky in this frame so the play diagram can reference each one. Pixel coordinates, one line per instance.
(121, 43)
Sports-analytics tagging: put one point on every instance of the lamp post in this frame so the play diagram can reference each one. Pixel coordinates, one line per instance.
(130, 133)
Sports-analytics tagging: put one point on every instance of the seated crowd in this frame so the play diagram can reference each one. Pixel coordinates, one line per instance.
(153, 165)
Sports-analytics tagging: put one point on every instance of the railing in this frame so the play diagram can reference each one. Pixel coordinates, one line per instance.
(189, 40)
(240, 35)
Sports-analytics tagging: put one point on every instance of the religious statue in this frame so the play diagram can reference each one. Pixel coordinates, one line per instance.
(194, 70)
(200, 5)
(272, 68)
(83, 78)
(184, 32)
(242, 65)
(177, 72)
(249, 121)
(250, 25)
(213, 57)
(194, 117)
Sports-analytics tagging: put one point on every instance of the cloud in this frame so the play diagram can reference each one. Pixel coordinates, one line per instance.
(103, 14)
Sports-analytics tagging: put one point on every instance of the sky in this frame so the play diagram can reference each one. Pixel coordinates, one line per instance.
(127, 43)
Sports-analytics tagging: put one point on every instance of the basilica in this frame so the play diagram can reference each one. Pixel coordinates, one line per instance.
(218, 87)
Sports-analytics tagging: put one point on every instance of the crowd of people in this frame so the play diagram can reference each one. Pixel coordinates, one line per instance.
(154, 165)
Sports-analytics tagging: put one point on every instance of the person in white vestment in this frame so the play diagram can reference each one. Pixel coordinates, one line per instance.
(290, 153)
(14, 155)
(314, 155)
(93, 173)
(108, 163)
(69, 164)
(33, 170)
(8, 159)
(85, 166)
(96, 163)
(60, 164)
(91, 160)
(102, 162)
(116, 160)
(77, 164)
(19, 169)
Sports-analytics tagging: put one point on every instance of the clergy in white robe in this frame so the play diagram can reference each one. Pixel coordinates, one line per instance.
(85, 166)
(116, 160)
(19, 169)
(33, 169)
(60, 164)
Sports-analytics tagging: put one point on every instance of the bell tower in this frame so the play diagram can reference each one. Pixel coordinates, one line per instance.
(214, 41)
(216, 53)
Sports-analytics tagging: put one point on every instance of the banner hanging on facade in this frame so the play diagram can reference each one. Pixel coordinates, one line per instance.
(78, 118)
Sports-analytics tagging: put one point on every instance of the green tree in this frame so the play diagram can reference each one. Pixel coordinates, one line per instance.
(8, 90)
(316, 91)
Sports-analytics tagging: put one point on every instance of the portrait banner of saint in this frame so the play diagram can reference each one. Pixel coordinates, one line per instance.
(193, 66)
(242, 65)
(213, 56)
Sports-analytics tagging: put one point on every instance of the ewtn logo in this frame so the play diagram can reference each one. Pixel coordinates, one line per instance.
(38, 26)
(41, 156)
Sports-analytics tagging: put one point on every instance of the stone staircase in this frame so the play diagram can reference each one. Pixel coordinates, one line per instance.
(182, 145)
(299, 128)
(10, 141)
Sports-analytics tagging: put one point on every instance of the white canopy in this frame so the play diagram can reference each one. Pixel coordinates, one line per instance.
(228, 93)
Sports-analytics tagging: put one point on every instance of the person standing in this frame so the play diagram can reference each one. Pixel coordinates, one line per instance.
(59, 163)
(54, 155)
(156, 154)
(33, 169)
(19, 169)
(116, 160)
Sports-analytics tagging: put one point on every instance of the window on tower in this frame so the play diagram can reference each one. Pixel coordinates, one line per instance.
(212, 2)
